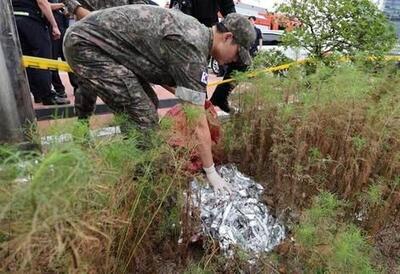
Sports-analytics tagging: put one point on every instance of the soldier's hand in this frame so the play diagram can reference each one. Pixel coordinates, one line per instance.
(216, 181)
(55, 33)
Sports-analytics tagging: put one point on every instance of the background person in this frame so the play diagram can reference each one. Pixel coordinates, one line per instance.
(257, 45)
(57, 52)
(206, 11)
(30, 17)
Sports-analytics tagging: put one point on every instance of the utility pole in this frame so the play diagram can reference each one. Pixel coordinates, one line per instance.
(16, 109)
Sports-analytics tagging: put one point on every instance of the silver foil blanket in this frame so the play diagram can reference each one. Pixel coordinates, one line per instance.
(240, 219)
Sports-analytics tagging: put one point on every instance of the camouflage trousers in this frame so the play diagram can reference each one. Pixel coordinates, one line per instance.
(120, 89)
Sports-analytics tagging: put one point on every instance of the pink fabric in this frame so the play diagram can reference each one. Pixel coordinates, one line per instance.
(182, 135)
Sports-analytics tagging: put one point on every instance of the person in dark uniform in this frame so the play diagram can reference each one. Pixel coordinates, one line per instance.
(57, 51)
(258, 42)
(222, 91)
(33, 32)
(206, 11)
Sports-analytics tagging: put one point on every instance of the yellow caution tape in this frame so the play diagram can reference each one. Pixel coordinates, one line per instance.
(257, 72)
(50, 64)
(43, 63)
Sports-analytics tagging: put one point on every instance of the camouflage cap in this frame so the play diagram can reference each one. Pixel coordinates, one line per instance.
(243, 34)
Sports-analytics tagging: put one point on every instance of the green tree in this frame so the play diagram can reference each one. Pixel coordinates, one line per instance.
(344, 26)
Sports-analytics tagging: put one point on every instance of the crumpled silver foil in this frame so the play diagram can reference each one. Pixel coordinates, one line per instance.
(240, 219)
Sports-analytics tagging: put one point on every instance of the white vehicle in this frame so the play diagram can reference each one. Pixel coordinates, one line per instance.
(272, 41)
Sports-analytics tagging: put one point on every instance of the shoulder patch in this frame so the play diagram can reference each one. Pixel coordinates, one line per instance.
(204, 77)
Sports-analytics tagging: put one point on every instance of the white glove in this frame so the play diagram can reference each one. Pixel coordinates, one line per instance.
(216, 181)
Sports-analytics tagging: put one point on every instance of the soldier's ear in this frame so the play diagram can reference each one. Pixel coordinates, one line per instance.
(228, 36)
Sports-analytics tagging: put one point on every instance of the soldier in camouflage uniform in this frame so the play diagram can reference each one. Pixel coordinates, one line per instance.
(92, 5)
(85, 101)
(116, 57)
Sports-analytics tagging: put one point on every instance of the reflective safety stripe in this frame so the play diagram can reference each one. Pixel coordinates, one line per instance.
(21, 13)
(190, 95)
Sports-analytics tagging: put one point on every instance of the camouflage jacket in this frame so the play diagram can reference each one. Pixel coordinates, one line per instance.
(93, 5)
(161, 46)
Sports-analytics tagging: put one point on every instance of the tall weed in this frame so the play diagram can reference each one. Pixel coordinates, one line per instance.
(335, 129)
(346, 115)
(100, 206)
(327, 244)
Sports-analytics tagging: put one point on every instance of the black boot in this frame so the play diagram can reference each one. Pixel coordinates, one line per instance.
(61, 93)
(54, 100)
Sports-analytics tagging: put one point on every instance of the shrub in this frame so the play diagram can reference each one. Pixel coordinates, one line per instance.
(328, 244)
(335, 130)
(270, 58)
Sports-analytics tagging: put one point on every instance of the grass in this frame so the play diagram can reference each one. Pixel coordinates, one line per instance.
(335, 130)
(267, 59)
(97, 206)
(327, 244)
(325, 145)
(333, 113)
(350, 253)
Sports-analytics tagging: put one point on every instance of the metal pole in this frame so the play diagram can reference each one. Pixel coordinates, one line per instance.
(16, 109)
